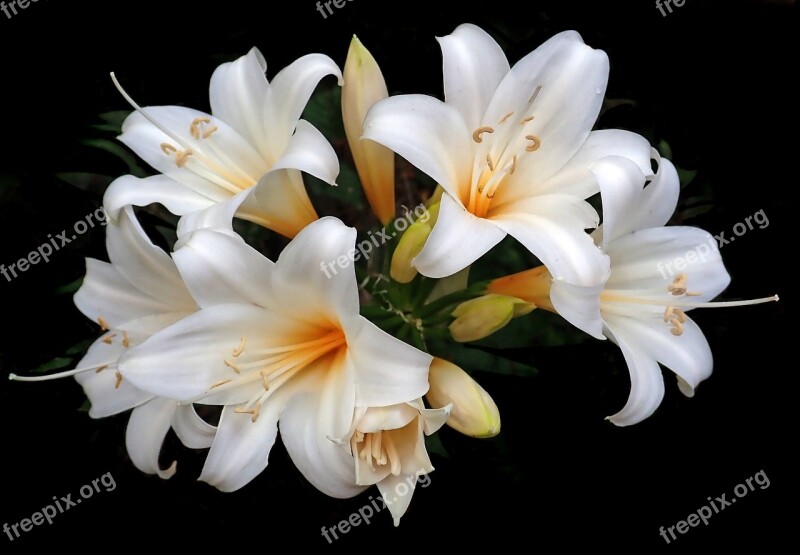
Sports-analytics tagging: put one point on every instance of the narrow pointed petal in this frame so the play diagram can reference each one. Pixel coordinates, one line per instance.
(193, 431)
(220, 269)
(144, 265)
(134, 191)
(107, 395)
(397, 494)
(552, 228)
(579, 305)
(428, 133)
(288, 95)
(387, 370)
(621, 184)
(458, 239)
(240, 451)
(688, 354)
(146, 140)
(576, 177)
(311, 422)
(147, 428)
(660, 197)
(647, 383)
(651, 258)
(237, 94)
(309, 151)
(186, 359)
(573, 79)
(308, 292)
(279, 202)
(218, 217)
(474, 65)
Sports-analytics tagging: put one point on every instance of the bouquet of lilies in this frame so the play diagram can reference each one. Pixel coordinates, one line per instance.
(341, 343)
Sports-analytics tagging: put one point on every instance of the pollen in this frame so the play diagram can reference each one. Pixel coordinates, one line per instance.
(526, 120)
(168, 149)
(678, 285)
(126, 341)
(242, 344)
(182, 157)
(505, 117)
(101, 369)
(119, 379)
(535, 143)
(675, 317)
(109, 338)
(233, 366)
(476, 135)
(102, 323)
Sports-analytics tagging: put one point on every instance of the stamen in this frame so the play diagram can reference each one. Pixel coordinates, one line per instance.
(101, 369)
(65, 374)
(233, 366)
(219, 383)
(182, 157)
(489, 161)
(535, 143)
(677, 328)
(254, 412)
(513, 165)
(107, 339)
(168, 149)
(678, 286)
(119, 380)
(210, 131)
(126, 341)
(476, 135)
(102, 323)
(505, 117)
(264, 379)
(526, 120)
(238, 350)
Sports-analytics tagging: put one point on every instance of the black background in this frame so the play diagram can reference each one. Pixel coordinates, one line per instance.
(714, 79)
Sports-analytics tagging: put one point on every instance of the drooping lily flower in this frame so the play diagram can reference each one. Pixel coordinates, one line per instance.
(657, 275)
(388, 445)
(277, 342)
(364, 86)
(253, 144)
(511, 147)
(138, 294)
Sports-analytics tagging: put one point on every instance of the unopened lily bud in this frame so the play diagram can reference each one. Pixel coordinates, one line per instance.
(481, 317)
(410, 245)
(364, 86)
(474, 413)
(532, 286)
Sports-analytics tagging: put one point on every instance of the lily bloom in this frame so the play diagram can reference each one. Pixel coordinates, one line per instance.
(643, 305)
(138, 294)
(511, 148)
(277, 343)
(388, 445)
(253, 144)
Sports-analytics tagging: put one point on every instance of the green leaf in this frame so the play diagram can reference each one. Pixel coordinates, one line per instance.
(119, 152)
(55, 364)
(69, 288)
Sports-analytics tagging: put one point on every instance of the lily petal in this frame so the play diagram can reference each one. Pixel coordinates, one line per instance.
(573, 79)
(279, 202)
(458, 239)
(193, 431)
(240, 451)
(288, 95)
(474, 65)
(579, 305)
(621, 184)
(387, 370)
(307, 290)
(428, 133)
(552, 228)
(309, 151)
(107, 395)
(129, 190)
(147, 428)
(220, 269)
(647, 383)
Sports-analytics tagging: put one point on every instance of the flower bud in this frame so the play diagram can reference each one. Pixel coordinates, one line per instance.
(481, 317)
(410, 245)
(474, 413)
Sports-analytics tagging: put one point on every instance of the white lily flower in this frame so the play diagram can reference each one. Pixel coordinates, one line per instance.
(511, 147)
(658, 274)
(252, 145)
(388, 445)
(138, 294)
(277, 342)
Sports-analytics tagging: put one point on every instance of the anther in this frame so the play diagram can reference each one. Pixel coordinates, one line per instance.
(238, 350)
(119, 380)
(476, 135)
(535, 143)
(505, 117)
(232, 366)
